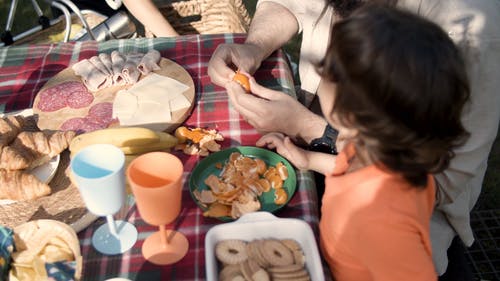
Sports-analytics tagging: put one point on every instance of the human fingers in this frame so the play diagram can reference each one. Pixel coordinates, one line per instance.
(219, 69)
(271, 140)
(263, 92)
(247, 105)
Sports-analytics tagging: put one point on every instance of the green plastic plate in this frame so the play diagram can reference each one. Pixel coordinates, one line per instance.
(207, 167)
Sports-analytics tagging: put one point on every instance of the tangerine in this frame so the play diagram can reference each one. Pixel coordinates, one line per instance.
(242, 79)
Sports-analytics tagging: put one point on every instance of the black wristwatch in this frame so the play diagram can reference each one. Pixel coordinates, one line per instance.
(325, 143)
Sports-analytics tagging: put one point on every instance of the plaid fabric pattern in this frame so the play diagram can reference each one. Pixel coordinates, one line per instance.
(25, 69)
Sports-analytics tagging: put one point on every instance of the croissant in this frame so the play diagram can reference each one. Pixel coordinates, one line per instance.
(13, 159)
(10, 126)
(19, 185)
(32, 149)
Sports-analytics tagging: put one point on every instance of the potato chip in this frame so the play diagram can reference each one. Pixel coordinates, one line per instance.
(40, 242)
(20, 273)
(39, 267)
(53, 254)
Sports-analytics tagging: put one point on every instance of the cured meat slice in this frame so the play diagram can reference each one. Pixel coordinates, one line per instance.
(51, 100)
(130, 72)
(106, 60)
(55, 98)
(98, 64)
(101, 113)
(81, 125)
(93, 78)
(118, 61)
(73, 124)
(96, 61)
(90, 126)
(80, 99)
(149, 62)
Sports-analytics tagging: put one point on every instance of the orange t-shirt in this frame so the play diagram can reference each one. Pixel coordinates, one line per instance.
(374, 225)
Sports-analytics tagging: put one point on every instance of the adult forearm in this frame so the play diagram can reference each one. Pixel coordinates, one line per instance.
(311, 126)
(150, 16)
(272, 26)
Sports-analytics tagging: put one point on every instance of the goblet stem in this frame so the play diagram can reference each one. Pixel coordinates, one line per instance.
(112, 225)
(163, 236)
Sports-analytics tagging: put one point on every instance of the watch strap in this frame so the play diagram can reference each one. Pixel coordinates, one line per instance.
(327, 142)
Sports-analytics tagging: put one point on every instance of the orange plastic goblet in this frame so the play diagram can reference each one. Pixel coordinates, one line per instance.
(156, 182)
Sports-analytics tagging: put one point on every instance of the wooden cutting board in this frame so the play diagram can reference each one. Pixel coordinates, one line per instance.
(53, 120)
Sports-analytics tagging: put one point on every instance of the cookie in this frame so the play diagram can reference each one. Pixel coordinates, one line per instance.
(291, 244)
(252, 271)
(289, 272)
(285, 269)
(276, 253)
(261, 275)
(231, 251)
(230, 272)
(253, 250)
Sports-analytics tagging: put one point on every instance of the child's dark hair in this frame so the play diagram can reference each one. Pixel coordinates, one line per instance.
(344, 7)
(402, 83)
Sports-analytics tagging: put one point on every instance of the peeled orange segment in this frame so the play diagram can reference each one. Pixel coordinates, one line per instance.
(242, 79)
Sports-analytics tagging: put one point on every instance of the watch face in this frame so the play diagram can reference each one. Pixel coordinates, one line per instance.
(326, 143)
(322, 147)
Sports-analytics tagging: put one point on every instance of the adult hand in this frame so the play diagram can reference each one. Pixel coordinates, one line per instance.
(246, 57)
(273, 111)
(285, 147)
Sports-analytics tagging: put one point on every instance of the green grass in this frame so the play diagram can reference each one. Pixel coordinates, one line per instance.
(25, 17)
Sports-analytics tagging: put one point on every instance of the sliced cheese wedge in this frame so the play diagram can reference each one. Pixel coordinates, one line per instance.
(124, 105)
(150, 101)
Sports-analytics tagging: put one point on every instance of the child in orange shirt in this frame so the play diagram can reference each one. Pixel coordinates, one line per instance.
(394, 85)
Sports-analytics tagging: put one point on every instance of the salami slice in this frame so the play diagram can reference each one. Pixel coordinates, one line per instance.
(80, 99)
(73, 124)
(54, 98)
(101, 113)
(90, 126)
(81, 125)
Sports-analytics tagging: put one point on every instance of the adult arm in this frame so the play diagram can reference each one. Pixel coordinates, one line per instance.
(272, 26)
(150, 16)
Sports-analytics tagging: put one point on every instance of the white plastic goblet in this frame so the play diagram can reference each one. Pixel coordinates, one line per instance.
(98, 171)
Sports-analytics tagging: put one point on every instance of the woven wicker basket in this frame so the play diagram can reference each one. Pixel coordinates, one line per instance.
(207, 16)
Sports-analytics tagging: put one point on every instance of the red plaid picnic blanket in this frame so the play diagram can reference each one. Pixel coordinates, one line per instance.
(25, 69)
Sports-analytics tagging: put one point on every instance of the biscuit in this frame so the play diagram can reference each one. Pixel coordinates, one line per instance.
(251, 270)
(261, 275)
(276, 253)
(290, 275)
(253, 249)
(291, 244)
(231, 251)
(306, 278)
(230, 272)
(261, 260)
(299, 258)
(288, 268)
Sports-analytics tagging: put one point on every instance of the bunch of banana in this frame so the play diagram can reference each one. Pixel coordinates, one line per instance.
(131, 140)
